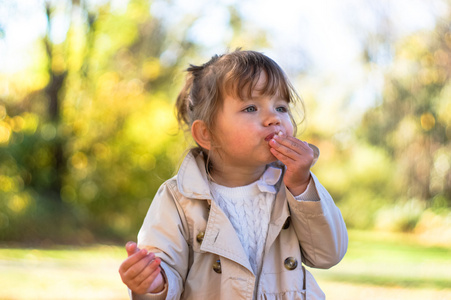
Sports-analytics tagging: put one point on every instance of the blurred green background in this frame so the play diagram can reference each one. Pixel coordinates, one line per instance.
(88, 133)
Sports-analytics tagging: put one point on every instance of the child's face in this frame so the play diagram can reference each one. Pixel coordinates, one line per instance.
(244, 128)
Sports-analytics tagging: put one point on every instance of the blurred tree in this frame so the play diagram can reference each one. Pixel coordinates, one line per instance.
(413, 120)
(53, 92)
(78, 146)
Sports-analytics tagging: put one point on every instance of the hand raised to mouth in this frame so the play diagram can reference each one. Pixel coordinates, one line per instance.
(298, 156)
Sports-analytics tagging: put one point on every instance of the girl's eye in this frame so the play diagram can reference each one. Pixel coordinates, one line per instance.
(250, 109)
(282, 109)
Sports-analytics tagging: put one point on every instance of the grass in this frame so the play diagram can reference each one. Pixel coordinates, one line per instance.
(65, 273)
(377, 266)
(389, 266)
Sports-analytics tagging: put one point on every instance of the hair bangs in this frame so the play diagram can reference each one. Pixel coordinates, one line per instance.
(242, 80)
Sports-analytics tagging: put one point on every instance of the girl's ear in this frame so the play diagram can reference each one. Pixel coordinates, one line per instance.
(201, 134)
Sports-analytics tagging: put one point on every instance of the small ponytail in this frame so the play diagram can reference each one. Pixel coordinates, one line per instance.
(199, 98)
(183, 106)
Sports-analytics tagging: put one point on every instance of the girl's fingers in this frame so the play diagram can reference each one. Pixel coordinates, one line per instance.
(316, 153)
(282, 152)
(292, 143)
(148, 274)
(149, 284)
(290, 147)
(131, 248)
(140, 266)
(280, 156)
(298, 156)
(134, 264)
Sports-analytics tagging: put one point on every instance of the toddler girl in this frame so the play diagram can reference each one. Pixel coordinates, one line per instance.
(244, 212)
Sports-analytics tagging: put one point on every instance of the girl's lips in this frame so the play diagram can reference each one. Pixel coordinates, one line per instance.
(271, 135)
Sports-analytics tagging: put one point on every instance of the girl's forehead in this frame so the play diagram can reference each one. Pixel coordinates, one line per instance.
(262, 78)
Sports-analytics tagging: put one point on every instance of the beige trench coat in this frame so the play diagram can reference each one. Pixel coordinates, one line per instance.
(202, 256)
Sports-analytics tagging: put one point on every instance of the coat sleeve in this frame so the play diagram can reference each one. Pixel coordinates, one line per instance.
(319, 227)
(165, 232)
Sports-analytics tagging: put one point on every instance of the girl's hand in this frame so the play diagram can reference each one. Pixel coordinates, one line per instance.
(141, 271)
(297, 156)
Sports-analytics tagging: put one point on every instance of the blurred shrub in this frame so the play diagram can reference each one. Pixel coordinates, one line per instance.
(400, 217)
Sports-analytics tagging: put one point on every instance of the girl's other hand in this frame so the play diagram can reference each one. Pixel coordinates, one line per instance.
(141, 271)
(298, 157)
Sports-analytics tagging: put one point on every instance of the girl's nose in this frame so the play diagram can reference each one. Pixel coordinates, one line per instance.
(272, 119)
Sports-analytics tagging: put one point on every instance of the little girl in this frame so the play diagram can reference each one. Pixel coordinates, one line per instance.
(244, 212)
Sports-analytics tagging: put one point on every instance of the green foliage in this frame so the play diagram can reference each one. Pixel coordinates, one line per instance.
(400, 217)
(82, 159)
(401, 148)
(413, 121)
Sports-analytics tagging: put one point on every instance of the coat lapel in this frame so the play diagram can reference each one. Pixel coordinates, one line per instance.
(222, 239)
(220, 236)
(278, 217)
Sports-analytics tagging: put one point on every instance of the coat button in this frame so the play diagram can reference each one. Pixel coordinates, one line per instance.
(290, 263)
(286, 224)
(200, 237)
(217, 266)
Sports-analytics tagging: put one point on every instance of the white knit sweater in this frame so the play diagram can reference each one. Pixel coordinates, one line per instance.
(249, 211)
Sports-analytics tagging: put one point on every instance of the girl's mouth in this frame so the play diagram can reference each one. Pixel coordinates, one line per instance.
(271, 135)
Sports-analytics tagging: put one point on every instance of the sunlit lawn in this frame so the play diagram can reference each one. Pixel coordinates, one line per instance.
(375, 267)
(88, 273)
(389, 266)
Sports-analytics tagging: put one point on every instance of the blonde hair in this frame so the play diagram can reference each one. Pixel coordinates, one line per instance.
(231, 74)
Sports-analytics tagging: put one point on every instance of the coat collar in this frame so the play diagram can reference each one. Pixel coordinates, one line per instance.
(192, 178)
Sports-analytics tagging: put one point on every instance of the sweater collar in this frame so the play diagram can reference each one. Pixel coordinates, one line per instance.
(267, 183)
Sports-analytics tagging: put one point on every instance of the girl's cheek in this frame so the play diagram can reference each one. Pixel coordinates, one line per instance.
(289, 129)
